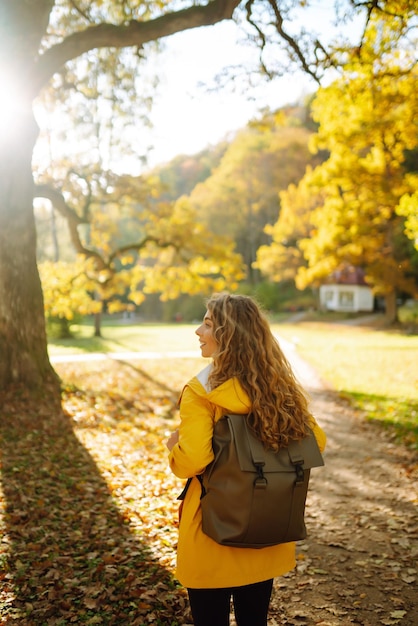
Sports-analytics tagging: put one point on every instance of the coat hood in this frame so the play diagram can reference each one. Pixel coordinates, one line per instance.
(229, 396)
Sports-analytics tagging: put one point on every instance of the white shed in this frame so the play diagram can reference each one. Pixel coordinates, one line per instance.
(346, 291)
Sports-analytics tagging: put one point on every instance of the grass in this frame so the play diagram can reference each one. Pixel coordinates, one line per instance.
(375, 369)
(135, 338)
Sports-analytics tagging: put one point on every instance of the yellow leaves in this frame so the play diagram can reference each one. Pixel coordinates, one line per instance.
(367, 120)
(127, 259)
(317, 273)
(188, 258)
(65, 290)
(360, 111)
(116, 307)
(137, 297)
(103, 276)
(408, 208)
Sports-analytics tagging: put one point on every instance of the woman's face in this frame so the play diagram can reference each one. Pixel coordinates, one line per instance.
(208, 343)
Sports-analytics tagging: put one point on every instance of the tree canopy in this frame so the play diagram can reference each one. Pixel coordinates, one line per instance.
(80, 49)
(262, 160)
(352, 204)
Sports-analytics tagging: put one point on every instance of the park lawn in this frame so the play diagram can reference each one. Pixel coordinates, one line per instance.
(132, 338)
(376, 370)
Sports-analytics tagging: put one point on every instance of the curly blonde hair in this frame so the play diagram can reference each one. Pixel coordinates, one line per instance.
(248, 351)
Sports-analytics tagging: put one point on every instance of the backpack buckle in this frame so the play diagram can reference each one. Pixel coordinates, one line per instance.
(260, 481)
(300, 474)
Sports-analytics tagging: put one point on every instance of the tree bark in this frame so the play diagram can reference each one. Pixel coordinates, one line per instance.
(133, 33)
(98, 324)
(23, 343)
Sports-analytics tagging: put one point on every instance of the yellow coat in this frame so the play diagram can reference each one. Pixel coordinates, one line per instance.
(201, 562)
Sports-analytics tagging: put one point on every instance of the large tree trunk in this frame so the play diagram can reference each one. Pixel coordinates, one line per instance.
(23, 345)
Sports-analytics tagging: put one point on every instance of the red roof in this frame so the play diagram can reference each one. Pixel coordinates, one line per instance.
(348, 275)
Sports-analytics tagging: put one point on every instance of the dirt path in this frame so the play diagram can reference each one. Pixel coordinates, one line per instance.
(359, 563)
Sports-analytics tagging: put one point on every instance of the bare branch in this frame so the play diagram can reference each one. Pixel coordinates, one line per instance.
(320, 48)
(139, 245)
(73, 220)
(374, 6)
(292, 43)
(80, 11)
(58, 202)
(260, 33)
(86, 207)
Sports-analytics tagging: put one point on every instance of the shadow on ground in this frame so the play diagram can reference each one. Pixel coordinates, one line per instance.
(68, 555)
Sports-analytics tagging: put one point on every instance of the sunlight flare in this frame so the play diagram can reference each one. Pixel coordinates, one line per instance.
(12, 102)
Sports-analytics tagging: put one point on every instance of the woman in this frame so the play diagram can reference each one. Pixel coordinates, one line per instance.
(248, 373)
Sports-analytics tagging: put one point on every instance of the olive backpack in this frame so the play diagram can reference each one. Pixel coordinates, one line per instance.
(253, 497)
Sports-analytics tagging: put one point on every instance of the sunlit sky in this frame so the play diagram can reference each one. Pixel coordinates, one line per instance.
(187, 116)
(189, 113)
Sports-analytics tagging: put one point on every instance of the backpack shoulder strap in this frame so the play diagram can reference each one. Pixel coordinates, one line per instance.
(187, 485)
(185, 490)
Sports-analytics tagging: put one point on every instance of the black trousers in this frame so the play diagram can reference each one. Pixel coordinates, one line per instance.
(210, 607)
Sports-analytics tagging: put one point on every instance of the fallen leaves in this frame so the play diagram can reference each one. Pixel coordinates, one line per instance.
(88, 515)
(89, 505)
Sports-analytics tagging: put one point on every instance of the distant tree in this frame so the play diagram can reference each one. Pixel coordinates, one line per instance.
(129, 245)
(262, 160)
(181, 175)
(367, 121)
(68, 294)
(282, 258)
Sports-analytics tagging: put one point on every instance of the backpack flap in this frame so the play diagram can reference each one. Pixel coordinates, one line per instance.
(255, 497)
(306, 452)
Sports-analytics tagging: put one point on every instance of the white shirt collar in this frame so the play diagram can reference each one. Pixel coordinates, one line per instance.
(203, 376)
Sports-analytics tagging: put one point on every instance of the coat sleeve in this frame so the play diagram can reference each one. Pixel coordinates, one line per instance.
(193, 452)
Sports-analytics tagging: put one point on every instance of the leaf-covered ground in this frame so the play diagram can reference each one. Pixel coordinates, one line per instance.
(89, 510)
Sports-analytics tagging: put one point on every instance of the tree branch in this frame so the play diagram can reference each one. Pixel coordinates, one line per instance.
(73, 220)
(58, 202)
(132, 34)
(292, 43)
(80, 11)
(137, 246)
